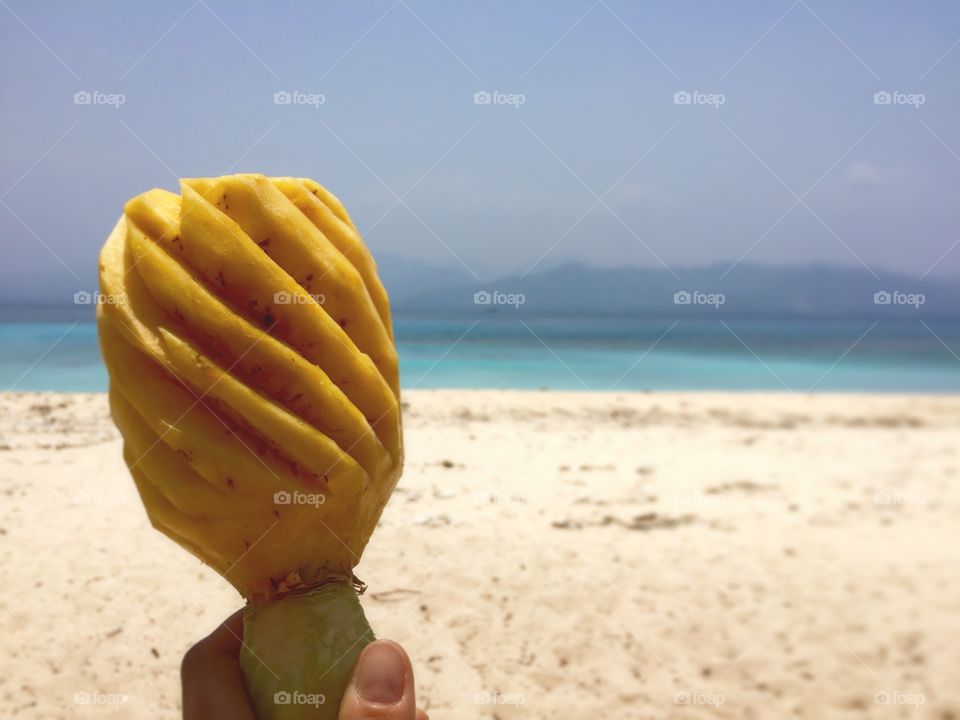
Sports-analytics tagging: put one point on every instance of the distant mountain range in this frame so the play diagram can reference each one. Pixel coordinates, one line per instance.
(747, 290)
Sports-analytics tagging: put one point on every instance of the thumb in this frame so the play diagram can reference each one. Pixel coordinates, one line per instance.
(381, 687)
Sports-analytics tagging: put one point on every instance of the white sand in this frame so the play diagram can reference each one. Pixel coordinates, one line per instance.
(547, 555)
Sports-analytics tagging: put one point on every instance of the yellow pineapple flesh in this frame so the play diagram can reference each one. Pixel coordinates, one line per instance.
(254, 378)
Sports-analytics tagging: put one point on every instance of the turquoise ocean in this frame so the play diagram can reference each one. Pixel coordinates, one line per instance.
(597, 353)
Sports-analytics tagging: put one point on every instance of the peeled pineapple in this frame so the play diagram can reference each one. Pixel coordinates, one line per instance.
(254, 378)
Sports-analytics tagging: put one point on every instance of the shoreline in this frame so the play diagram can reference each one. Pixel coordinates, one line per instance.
(586, 392)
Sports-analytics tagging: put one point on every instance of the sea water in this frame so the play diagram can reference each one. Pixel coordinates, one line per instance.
(596, 353)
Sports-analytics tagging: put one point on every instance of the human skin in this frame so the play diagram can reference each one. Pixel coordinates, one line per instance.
(380, 687)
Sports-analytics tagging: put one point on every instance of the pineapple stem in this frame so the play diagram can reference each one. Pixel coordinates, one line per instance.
(298, 651)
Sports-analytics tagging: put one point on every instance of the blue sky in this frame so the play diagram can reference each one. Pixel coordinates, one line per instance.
(598, 164)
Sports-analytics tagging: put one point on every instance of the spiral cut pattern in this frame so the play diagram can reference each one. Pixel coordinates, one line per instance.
(253, 376)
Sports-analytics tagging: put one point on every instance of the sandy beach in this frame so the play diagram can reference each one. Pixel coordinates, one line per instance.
(546, 555)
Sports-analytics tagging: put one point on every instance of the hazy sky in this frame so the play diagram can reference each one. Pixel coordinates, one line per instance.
(598, 163)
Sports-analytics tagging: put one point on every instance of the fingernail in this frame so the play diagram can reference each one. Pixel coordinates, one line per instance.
(381, 674)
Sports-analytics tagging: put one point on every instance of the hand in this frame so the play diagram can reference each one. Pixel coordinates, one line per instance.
(381, 687)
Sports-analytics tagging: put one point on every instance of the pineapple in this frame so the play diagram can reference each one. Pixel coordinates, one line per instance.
(254, 379)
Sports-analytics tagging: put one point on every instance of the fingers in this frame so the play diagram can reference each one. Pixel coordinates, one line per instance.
(210, 675)
(381, 687)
